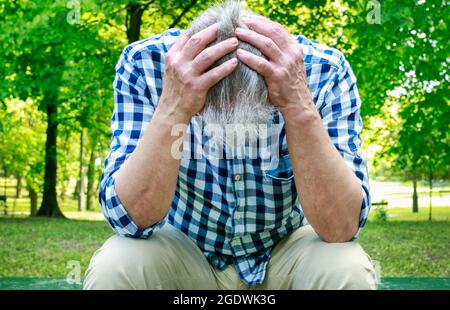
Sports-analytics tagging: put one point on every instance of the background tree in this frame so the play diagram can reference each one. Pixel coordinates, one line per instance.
(43, 53)
(22, 138)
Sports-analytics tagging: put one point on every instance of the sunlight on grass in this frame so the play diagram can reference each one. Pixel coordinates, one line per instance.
(86, 215)
(399, 194)
(406, 214)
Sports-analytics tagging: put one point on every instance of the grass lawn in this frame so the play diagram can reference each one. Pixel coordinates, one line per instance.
(406, 214)
(39, 247)
(409, 249)
(405, 246)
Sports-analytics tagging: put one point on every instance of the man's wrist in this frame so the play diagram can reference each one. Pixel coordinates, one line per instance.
(301, 114)
(170, 115)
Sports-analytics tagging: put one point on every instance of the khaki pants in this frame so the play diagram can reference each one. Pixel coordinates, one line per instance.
(171, 260)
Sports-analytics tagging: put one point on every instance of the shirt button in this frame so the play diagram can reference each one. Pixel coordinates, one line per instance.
(237, 217)
(237, 177)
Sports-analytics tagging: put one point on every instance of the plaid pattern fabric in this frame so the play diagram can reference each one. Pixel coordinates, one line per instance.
(235, 207)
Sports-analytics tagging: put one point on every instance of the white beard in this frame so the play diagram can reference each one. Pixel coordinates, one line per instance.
(237, 125)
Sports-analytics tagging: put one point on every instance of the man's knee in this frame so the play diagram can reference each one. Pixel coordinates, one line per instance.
(121, 262)
(167, 260)
(336, 266)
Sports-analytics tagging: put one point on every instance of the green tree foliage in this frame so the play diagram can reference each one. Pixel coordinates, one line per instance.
(22, 139)
(411, 36)
(62, 67)
(402, 67)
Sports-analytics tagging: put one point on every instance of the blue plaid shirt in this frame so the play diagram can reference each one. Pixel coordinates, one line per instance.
(235, 208)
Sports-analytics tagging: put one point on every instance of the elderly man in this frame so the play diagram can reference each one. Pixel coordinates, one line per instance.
(232, 220)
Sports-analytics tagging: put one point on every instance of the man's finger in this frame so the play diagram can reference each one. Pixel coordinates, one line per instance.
(265, 44)
(199, 41)
(181, 41)
(259, 64)
(213, 76)
(269, 29)
(210, 55)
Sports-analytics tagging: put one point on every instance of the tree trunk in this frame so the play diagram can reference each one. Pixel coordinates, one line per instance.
(49, 206)
(81, 205)
(63, 171)
(5, 180)
(133, 21)
(5, 176)
(185, 10)
(76, 190)
(90, 194)
(33, 200)
(415, 198)
(19, 187)
(133, 18)
(431, 196)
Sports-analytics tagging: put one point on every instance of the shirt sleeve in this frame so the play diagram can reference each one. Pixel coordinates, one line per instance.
(341, 116)
(133, 109)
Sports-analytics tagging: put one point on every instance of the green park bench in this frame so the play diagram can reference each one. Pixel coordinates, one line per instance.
(381, 203)
(62, 284)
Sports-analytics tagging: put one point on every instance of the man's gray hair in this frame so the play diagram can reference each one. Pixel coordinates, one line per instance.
(241, 97)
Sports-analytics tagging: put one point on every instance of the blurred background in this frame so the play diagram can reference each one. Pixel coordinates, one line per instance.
(57, 63)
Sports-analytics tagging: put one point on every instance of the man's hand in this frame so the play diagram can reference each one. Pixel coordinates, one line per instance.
(284, 70)
(186, 79)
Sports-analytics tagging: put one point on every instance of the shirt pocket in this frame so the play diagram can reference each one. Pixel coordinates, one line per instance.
(281, 172)
(279, 195)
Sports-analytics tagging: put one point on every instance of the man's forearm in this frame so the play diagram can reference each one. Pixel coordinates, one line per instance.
(329, 192)
(146, 182)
